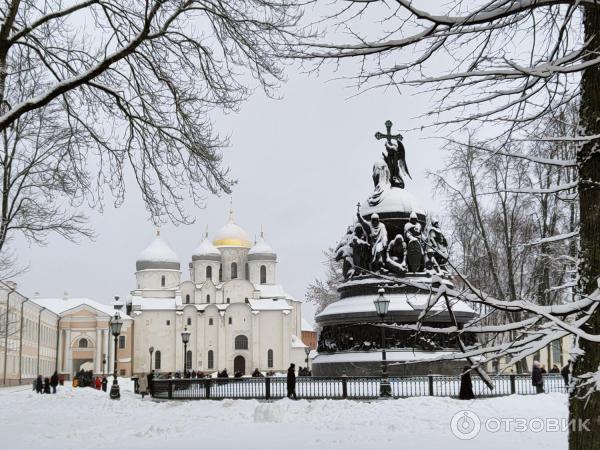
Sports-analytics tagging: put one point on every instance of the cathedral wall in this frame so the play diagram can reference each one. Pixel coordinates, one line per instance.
(271, 336)
(151, 329)
(199, 271)
(230, 255)
(254, 267)
(188, 289)
(152, 279)
(208, 289)
(237, 291)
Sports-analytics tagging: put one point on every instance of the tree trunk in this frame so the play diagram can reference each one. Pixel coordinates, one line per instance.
(588, 159)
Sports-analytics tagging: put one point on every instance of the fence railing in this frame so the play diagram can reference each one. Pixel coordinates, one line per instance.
(344, 387)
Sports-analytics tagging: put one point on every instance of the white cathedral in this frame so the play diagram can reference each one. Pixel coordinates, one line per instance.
(239, 317)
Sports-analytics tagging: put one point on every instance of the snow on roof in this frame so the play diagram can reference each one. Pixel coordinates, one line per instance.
(398, 302)
(306, 326)
(273, 304)
(270, 290)
(297, 342)
(261, 247)
(206, 248)
(394, 200)
(60, 305)
(158, 251)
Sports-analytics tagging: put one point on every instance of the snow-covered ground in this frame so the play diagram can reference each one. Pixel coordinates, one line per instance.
(88, 419)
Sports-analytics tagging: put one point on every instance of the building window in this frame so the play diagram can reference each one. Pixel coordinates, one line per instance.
(233, 270)
(162, 281)
(122, 372)
(157, 359)
(210, 321)
(209, 273)
(228, 300)
(241, 342)
(246, 300)
(121, 342)
(230, 321)
(556, 353)
(220, 273)
(187, 298)
(207, 298)
(188, 360)
(270, 359)
(211, 359)
(247, 272)
(263, 274)
(168, 322)
(189, 320)
(83, 343)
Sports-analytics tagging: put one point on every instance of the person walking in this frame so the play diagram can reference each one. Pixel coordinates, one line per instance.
(291, 381)
(46, 385)
(39, 384)
(54, 381)
(104, 383)
(537, 377)
(566, 372)
(466, 385)
(98, 383)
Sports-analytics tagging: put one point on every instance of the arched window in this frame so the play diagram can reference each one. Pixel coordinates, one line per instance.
(228, 300)
(233, 270)
(270, 359)
(247, 272)
(207, 298)
(230, 321)
(189, 320)
(211, 359)
(83, 343)
(187, 298)
(188, 360)
(162, 281)
(220, 273)
(209, 272)
(210, 321)
(157, 359)
(263, 274)
(241, 342)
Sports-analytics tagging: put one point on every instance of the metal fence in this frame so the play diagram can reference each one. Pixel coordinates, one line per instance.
(344, 387)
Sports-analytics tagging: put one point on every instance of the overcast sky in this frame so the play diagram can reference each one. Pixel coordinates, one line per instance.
(302, 163)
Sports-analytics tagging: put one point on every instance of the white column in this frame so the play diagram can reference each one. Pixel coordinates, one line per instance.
(255, 344)
(69, 360)
(98, 354)
(286, 338)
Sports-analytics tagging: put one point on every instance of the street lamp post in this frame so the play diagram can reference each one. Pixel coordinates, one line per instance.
(103, 364)
(382, 305)
(185, 337)
(307, 351)
(115, 327)
(151, 350)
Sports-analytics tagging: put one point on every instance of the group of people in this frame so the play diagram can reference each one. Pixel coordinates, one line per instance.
(42, 385)
(538, 371)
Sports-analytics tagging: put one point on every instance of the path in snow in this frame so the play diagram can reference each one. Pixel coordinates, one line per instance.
(86, 418)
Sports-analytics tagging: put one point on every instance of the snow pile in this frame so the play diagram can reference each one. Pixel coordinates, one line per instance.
(86, 418)
(158, 251)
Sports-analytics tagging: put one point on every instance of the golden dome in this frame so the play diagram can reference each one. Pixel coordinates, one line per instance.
(232, 235)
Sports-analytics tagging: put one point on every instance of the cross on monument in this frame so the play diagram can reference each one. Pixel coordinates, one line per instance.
(388, 135)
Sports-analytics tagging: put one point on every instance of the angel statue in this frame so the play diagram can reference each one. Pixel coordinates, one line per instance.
(396, 162)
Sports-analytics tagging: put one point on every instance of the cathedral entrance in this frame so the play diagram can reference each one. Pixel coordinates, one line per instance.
(239, 364)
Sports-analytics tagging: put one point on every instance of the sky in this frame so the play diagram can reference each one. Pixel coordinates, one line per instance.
(302, 162)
